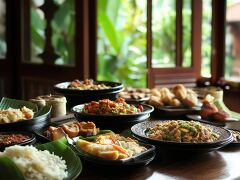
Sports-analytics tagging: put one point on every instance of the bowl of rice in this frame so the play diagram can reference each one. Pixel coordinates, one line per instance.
(36, 164)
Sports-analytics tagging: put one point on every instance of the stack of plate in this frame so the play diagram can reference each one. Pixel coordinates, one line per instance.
(75, 96)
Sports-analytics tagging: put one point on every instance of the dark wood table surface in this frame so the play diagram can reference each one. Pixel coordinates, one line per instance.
(221, 164)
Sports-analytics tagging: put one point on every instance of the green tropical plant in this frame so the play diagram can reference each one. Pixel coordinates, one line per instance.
(122, 42)
(63, 27)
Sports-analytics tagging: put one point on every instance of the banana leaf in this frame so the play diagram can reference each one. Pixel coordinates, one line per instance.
(8, 170)
(7, 167)
(16, 104)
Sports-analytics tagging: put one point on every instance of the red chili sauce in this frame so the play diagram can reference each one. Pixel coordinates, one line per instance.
(12, 138)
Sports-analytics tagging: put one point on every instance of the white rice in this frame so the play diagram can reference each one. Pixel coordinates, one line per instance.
(36, 164)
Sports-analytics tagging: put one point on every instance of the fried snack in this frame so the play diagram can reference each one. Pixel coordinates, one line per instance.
(155, 101)
(191, 100)
(72, 130)
(54, 133)
(180, 92)
(155, 92)
(166, 95)
(87, 129)
(175, 102)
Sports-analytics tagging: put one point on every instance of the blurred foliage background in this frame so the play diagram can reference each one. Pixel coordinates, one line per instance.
(3, 47)
(63, 27)
(122, 41)
(121, 37)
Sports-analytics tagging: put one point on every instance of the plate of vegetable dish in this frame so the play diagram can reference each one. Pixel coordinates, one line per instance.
(106, 110)
(115, 150)
(182, 135)
(22, 115)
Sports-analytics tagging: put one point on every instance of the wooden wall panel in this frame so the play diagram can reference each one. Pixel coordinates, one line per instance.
(32, 87)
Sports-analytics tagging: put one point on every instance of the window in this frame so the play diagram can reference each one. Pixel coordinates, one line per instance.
(61, 21)
(206, 38)
(232, 41)
(3, 47)
(163, 33)
(121, 41)
(129, 32)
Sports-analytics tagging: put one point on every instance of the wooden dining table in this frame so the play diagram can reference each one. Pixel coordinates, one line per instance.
(221, 164)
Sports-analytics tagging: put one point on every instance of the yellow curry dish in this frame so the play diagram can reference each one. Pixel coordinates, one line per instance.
(182, 131)
(11, 115)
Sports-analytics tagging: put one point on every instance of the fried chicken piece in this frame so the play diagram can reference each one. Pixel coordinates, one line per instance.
(87, 128)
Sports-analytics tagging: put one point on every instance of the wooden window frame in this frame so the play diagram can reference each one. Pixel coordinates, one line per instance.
(178, 74)
(170, 76)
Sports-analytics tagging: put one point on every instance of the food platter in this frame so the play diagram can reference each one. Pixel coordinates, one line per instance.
(77, 110)
(30, 138)
(73, 163)
(209, 121)
(138, 160)
(41, 134)
(235, 142)
(40, 119)
(112, 149)
(62, 88)
(135, 95)
(75, 96)
(139, 131)
(171, 111)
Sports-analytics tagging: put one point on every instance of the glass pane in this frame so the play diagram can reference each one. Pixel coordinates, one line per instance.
(3, 46)
(38, 24)
(63, 28)
(206, 38)
(121, 47)
(187, 29)
(232, 46)
(163, 33)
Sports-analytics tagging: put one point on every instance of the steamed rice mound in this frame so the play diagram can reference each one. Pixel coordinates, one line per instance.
(35, 164)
